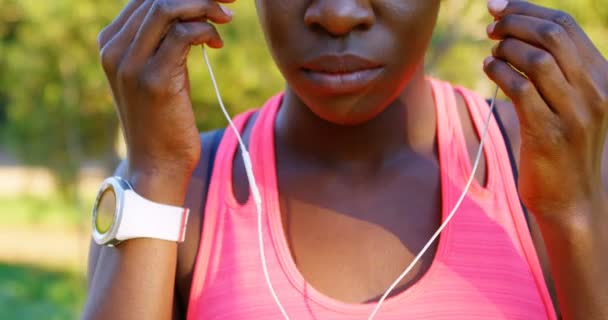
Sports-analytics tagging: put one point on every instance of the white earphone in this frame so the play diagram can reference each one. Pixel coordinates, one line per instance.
(258, 200)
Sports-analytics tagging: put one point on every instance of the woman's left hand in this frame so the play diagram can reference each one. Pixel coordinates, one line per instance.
(558, 82)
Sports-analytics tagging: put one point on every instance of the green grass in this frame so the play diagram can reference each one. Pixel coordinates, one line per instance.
(28, 292)
(36, 292)
(35, 210)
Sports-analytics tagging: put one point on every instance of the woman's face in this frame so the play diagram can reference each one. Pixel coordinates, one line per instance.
(347, 60)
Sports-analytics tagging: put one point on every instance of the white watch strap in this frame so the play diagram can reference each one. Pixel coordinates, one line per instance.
(143, 218)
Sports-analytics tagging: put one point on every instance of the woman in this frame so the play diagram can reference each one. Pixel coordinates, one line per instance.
(357, 162)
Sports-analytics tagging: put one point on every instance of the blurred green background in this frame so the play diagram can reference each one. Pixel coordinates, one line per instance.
(59, 135)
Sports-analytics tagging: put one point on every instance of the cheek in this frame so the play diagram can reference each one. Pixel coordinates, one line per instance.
(410, 25)
(276, 14)
(410, 18)
(277, 19)
(406, 9)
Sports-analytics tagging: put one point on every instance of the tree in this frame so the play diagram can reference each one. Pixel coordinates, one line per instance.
(460, 43)
(58, 109)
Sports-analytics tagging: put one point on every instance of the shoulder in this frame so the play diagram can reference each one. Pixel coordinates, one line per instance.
(195, 200)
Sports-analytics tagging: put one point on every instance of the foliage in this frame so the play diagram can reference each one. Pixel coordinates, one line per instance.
(58, 107)
(54, 286)
(460, 43)
(50, 211)
(33, 293)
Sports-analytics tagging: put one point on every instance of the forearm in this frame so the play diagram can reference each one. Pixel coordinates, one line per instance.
(136, 279)
(577, 248)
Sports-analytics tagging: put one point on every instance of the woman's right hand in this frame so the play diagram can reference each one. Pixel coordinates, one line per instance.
(143, 53)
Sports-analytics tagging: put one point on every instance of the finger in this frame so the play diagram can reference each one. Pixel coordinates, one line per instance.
(566, 21)
(173, 51)
(540, 33)
(115, 49)
(108, 32)
(181, 37)
(528, 103)
(165, 12)
(541, 69)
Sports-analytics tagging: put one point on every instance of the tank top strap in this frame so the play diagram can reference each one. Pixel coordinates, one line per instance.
(447, 114)
(453, 152)
(262, 151)
(479, 110)
(497, 157)
(221, 179)
(215, 202)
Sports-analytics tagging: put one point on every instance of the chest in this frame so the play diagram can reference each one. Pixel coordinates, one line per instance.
(351, 236)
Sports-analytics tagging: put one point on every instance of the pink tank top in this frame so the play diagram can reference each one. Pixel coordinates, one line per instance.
(485, 266)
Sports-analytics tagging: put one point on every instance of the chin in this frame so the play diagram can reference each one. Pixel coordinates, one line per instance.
(347, 110)
(349, 107)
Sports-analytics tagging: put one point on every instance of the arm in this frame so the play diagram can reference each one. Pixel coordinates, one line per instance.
(186, 253)
(136, 279)
(196, 198)
(144, 54)
(561, 105)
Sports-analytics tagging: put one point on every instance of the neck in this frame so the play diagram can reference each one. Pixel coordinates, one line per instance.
(407, 124)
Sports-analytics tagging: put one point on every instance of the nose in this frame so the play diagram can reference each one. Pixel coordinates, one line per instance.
(340, 17)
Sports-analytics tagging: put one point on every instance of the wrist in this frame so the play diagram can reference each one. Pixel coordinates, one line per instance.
(159, 185)
(576, 218)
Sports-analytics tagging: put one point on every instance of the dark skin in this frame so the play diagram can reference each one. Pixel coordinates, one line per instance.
(376, 145)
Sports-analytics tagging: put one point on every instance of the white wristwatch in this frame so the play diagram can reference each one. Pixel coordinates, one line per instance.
(120, 214)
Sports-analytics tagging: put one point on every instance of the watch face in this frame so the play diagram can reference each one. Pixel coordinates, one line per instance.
(106, 211)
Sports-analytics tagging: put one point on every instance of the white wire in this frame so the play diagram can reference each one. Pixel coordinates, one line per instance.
(253, 185)
(258, 200)
(449, 217)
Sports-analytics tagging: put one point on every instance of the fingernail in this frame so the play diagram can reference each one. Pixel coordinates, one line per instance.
(497, 6)
(487, 61)
(227, 11)
(491, 27)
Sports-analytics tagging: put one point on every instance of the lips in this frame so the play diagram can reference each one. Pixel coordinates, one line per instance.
(338, 64)
(340, 74)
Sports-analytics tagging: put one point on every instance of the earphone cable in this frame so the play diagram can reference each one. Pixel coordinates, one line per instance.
(258, 200)
(448, 218)
(253, 186)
